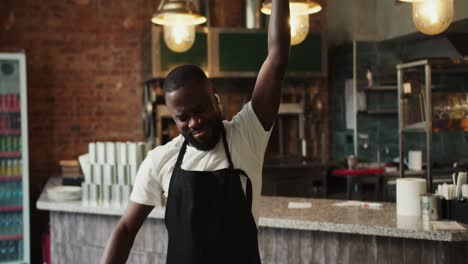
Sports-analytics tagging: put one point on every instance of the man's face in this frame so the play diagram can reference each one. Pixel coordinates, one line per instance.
(196, 114)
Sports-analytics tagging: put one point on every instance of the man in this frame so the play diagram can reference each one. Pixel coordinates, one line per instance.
(211, 173)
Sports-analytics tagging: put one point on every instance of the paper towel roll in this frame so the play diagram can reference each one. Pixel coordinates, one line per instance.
(407, 196)
(408, 222)
(415, 160)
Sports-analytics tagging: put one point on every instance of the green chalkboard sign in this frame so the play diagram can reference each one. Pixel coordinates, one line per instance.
(307, 56)
(246, 52)
(196, 55)
(242, 51)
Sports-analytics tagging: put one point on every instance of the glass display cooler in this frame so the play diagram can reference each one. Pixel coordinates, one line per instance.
(14, 171)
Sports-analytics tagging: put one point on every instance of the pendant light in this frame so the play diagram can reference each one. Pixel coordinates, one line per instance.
(299, 21)
(178, 19)
(432, 17)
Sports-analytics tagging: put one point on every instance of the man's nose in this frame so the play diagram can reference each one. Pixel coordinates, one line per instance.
(194, 122)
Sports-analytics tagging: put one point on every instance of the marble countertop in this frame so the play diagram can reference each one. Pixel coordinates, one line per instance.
(321, 216)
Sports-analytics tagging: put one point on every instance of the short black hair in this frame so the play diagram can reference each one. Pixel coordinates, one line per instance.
(181, 75)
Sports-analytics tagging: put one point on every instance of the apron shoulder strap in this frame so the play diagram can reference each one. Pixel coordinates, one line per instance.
(226, 148)
(180, 157)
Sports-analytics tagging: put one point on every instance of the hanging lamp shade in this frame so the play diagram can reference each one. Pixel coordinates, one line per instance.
(178, 18)
(432, 17)
(299, 7)
(177, 12)
(299, 17)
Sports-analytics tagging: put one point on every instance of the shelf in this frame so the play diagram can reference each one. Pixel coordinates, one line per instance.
(382, 88)
(450, 124)
(14, 208)
(10, 111)
(10, 178)
(11, 237)
(10, 154)
(290, 109)
(440, 125)
(10, 132)
(416, 127)
(379, 112)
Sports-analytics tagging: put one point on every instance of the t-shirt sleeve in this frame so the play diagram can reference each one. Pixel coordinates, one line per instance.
(251, 129)
(147, 190)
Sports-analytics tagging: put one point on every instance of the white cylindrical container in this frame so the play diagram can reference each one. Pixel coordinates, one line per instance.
(107, 196)
(141, 148)
(109, 174)
(111, 153)
(94, 194)
(408, 191)
(85, 189)
(415, 160)
(92, 152)
(132, 150)
(97, 173)
(88, 172)
(122, 153)
(133, 170)
(101, 152)
(125, 192)
(122, 177)
(116, 196)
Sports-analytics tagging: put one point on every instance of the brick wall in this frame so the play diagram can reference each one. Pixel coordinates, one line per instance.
(86, 60)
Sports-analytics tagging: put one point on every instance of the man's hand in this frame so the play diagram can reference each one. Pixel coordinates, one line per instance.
(122, 238)
(267, 92)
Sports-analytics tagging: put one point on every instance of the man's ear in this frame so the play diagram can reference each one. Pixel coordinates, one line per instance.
(218, 101)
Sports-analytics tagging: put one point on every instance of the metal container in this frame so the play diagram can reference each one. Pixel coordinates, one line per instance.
(352, 161)
(431, 207)
(252, 14)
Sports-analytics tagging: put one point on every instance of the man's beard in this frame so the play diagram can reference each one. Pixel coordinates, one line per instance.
(216, 128)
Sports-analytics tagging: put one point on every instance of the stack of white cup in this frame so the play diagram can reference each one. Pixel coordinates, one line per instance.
(110, 169)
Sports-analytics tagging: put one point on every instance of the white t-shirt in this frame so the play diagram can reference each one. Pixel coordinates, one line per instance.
(247, 141)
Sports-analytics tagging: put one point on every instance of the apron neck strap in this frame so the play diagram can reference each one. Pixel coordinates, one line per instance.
(226, 147)
(180, 157)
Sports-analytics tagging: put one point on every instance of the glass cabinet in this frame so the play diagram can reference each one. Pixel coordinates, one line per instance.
(14, 178)
(433, 114)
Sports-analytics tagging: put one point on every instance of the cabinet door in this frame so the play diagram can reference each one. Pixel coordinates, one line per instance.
(164, 60)
(241, 53)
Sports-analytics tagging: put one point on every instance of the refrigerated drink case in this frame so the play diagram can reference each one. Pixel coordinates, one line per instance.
(14, 178)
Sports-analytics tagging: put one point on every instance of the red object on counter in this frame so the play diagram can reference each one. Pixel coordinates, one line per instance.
(46, 248)
(357, 172)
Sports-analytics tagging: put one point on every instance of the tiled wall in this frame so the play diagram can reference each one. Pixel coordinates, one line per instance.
(383, 129)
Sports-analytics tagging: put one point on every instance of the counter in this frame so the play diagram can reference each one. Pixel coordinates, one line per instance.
(285, 235)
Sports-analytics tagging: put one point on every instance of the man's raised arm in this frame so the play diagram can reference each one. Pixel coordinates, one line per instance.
(267, 92)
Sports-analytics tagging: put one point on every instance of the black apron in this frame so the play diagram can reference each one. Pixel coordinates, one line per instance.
(208, 217)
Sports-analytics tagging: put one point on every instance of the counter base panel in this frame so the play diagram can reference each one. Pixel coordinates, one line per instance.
(81, 238)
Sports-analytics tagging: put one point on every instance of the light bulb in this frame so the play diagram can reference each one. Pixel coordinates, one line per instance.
(432, 16)
(299, 28)
(299, 21)
(179, 38)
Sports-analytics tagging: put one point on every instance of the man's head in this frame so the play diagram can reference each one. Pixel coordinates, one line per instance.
(191, 100)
